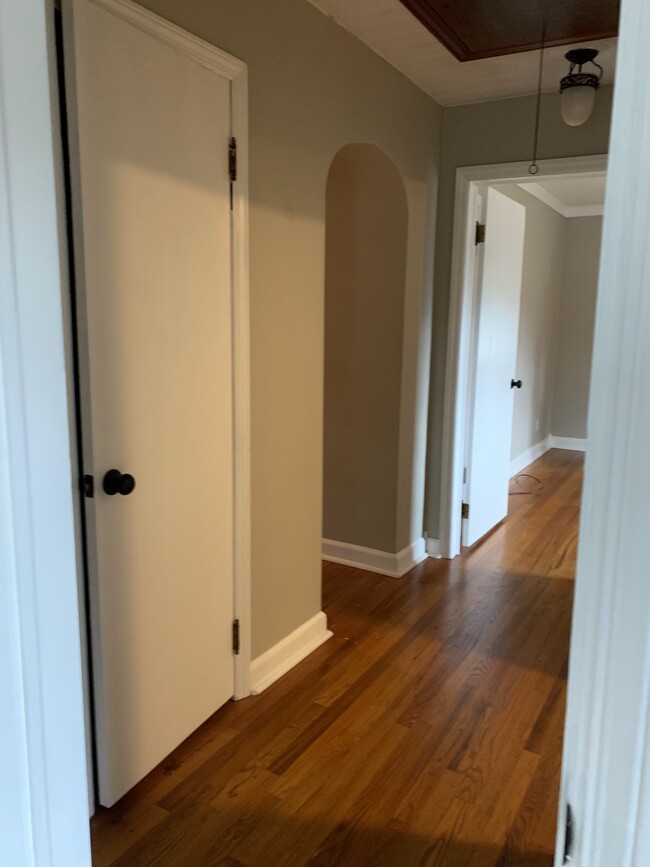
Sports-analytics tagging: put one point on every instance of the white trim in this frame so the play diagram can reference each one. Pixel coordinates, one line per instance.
(43, 793)
(526, 458)
(372, 560)
(605, 773)
(202, 52)
(552, 201)
(236, 72)
(242, 384)
(574, 444)
(461, 317)
(433, 548)
(284, 655)
(585, 211)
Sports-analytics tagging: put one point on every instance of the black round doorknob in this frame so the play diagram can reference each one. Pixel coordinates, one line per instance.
(116, 482)
(515, 383)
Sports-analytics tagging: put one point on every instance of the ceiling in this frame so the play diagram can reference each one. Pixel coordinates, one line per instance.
(395, 34)
(571, 197)
(474, 29)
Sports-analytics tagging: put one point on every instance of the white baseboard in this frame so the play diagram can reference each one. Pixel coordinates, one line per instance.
(574, 444)
(282, 657)
(526, 458)
(372, 560)
(433, 548)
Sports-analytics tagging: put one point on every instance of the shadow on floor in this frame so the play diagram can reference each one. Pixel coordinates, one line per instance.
(199, 835)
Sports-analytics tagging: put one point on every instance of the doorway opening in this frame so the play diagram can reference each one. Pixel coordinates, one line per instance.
(485, 442)
(535, 287)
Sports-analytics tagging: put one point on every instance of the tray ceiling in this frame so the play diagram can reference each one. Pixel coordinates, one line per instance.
(475, 29)
(390, 30)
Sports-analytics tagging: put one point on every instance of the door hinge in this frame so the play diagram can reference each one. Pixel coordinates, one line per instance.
(232, 159)
(235, 637)
(232, 166)
(568, 835)
(464, 511)
(479, 237)
(88, 485)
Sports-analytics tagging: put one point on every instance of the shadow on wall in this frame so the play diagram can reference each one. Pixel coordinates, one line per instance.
(365, 274)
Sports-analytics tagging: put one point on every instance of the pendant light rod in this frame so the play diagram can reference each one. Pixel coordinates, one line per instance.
(533, 168)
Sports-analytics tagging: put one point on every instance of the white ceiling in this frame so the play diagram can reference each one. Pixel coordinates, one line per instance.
(571, 197)
(395, 34)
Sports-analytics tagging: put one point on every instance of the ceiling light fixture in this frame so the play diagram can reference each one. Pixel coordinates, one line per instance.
(578, 89)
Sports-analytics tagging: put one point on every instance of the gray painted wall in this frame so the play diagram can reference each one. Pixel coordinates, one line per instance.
(556, 323)
(577, 313)
(538, 320)
(365, 272)
(312, 89)
(481, 134)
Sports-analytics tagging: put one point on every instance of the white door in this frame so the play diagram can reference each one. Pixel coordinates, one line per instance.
(496, 334)
(154, 262)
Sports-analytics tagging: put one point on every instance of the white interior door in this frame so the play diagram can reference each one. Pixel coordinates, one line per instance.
(155, 264)
(496, 334)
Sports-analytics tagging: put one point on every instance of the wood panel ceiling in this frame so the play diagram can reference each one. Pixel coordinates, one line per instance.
(475, 29)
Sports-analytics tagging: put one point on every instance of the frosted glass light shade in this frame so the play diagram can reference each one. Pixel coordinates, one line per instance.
(577, 103)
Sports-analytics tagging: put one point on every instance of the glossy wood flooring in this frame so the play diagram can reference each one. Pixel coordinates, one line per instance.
(428, 731)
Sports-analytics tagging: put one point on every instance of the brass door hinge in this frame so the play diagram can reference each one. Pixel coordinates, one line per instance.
(465, 510)
(479, 237)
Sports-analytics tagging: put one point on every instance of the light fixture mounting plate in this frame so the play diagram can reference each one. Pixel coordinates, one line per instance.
(580, 56)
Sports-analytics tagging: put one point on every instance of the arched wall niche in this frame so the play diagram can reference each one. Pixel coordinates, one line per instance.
(365, 279)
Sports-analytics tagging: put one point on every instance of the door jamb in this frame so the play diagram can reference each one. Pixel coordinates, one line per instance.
(461, 316)
(236, 71)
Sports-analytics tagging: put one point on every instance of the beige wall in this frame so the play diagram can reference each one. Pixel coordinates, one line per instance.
(482, 134)
(312, 89)
(365, 271)
(538, 320)
(577, 313)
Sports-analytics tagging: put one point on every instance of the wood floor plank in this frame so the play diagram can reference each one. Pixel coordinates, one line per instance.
(428, 731)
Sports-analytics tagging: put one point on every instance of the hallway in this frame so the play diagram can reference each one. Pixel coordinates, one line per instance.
(427, 731)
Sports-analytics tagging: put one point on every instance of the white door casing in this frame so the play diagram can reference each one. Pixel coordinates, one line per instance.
(155, 249)
(495, 356)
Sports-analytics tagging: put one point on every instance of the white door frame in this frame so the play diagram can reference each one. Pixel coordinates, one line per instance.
(462, 314)
(235, 71)
(43, 791)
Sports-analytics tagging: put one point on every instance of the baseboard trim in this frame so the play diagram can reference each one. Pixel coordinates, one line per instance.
(574, 444)
(291, 650)
(526, 458)
(433, 548)
(372, 560)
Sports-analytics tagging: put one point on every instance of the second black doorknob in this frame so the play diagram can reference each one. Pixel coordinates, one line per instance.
(116, 482)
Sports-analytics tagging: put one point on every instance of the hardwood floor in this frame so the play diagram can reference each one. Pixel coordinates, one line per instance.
(428, 731)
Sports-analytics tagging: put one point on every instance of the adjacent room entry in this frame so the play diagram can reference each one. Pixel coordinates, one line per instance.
(150, 131)
(490, 398)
